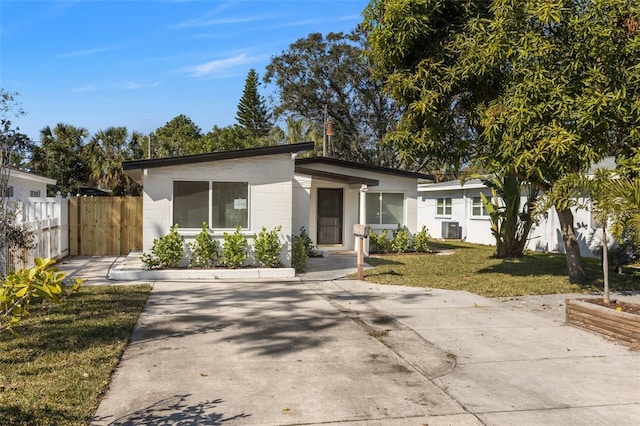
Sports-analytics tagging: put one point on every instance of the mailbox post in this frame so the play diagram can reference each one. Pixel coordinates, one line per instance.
(362, 232)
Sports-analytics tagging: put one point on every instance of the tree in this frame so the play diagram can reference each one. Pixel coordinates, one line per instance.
(61, 156)
(318, 72)
(177, 137)
(106, 152)
(252, 112)
(536, 89)
(11, 142)
(224, 139)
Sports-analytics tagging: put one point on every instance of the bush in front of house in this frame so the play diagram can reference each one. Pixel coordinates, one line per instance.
(204, 249)
(380, 242)
(401, 240)
(267, 247)
(421, 241)
(300, 251)
(234, 254)
(166, 252)
(306, 241)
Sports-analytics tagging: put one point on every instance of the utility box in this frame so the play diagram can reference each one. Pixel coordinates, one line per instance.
(361, 231)
(451, 231)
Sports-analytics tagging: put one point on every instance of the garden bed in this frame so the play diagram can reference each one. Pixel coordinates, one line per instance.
(618, 320)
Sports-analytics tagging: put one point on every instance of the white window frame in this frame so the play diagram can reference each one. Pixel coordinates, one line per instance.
(34, 193)
(443, 206)
(483, 212)
(380, 196)
(210, 204)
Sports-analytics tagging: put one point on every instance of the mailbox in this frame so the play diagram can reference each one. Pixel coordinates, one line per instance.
(361, 231)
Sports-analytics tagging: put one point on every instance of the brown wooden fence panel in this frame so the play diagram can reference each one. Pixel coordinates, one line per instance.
(100, 226)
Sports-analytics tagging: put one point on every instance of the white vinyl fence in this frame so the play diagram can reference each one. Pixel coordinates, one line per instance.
(48, 219)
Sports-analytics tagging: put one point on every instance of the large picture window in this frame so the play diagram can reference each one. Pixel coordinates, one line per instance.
(228, 208)
(444, 206)
(385, 208)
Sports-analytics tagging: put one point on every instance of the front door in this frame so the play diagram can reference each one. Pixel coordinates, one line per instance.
(330, 216)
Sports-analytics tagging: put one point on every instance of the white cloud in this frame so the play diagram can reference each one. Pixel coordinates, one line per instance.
(217, 66)
(85, 88)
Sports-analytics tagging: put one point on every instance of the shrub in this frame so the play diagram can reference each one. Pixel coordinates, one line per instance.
(204, 248)
(299, 252)
(379, 243)
(400, 242)
(421, 241)
(306, 241)
(43, 282)
(267, 247)
(233, 254)
(167, 251)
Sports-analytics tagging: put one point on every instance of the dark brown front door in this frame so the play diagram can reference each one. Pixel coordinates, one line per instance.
(330, 216)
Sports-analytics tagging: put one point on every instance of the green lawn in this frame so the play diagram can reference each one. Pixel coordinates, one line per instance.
(472, 268)
(55, 372)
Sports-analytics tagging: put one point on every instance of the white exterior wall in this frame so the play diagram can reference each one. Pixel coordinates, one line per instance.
(351, 200)
(23, 183)
(544, 237)
(270, 196)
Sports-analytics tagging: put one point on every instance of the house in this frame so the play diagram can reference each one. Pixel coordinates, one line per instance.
(23, 184)
(271, 187)
(455, 210)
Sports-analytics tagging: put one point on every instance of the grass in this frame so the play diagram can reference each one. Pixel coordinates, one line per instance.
(472, 268)
(56, 370)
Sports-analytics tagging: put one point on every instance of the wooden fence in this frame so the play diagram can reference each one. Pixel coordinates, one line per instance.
(103, 226)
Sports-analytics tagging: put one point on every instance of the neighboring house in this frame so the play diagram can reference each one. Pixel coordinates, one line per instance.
(453, 210)
(47, 217)
(269, 187)
(24, 184)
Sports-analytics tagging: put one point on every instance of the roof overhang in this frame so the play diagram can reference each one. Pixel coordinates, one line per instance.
(337, 177)
(360, 166)
(31, 176)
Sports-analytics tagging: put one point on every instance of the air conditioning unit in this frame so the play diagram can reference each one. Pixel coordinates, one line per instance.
(451, 231)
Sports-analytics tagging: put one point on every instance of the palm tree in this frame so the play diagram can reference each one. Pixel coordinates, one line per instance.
(107, 151)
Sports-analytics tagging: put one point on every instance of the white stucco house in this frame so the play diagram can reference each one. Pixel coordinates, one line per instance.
(23, 184)
(453, 210)
(271, 187)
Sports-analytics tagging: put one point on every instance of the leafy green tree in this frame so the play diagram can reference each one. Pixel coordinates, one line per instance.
(318, 72)
(61, 155)
(224, 139)
(106, 152)
(253, 114)
(535, 89)
(12, 144)
(177, 137)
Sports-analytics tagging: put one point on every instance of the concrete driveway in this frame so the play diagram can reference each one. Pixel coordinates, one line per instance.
(322, 350)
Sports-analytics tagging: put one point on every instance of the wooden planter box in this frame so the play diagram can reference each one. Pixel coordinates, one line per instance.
(617, 325)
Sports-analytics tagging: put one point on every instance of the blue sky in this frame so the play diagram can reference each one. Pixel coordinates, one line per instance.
(102, 63)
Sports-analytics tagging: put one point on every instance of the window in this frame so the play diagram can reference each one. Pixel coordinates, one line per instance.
(443, 206)
(477, 208)
(228, 208)
(229, 205)
(34, 193)
(9, 192)
(385, 208)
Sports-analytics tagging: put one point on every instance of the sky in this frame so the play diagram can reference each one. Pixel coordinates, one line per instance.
(102, 63)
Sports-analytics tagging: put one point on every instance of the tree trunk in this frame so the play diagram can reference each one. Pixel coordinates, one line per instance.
(571, 246)
(605, 261)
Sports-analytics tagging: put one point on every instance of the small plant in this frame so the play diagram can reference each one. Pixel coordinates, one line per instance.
(421, 241)
(234, 253)
(42, 282)
(267, 247)
(401, 240)
(379, 243)
(306, 241)
(167, 251)
(205, 249)
(299, 252)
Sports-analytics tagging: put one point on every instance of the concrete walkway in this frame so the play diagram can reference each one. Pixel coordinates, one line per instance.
(324, 350)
